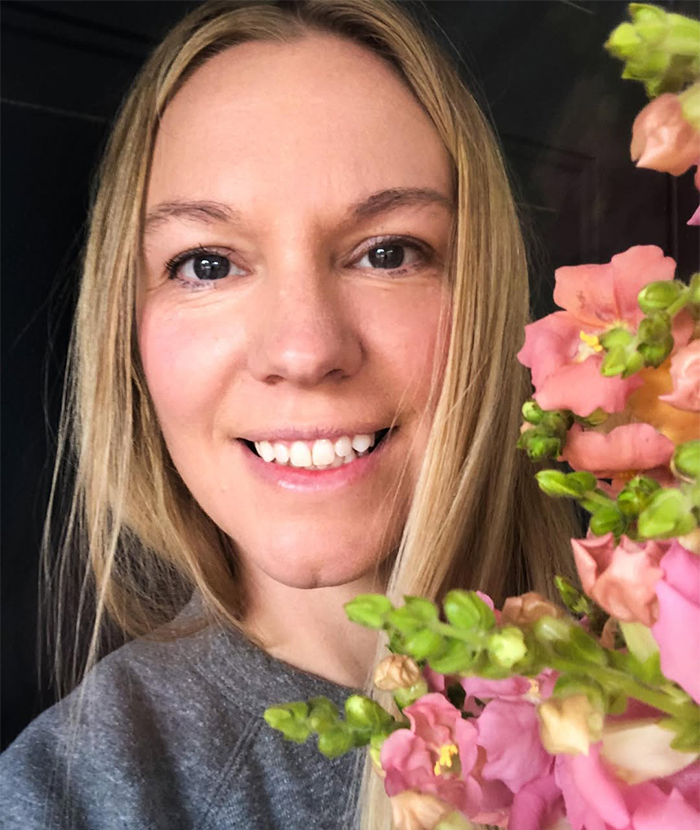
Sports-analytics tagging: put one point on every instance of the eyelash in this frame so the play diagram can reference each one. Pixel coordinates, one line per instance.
(426, 253)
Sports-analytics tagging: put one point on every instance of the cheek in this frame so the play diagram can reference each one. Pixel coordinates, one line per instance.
(187, 359)
(411, 337)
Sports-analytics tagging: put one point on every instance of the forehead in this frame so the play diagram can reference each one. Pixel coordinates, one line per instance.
(288, 126)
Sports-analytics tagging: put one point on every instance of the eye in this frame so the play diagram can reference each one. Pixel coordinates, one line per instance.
(393, 253)
(199, 265)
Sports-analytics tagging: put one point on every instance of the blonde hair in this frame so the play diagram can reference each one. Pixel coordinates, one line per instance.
(476, 519)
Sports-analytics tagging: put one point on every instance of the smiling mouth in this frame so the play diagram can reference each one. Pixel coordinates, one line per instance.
(322, 454)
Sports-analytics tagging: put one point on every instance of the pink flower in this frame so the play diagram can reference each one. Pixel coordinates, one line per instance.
(597, 800)
(626, 449)
(621, 579)
(511, 688)
(435, 756)
(662, 139)
(685, 371)
(677, 629)
(509, 731)
(537, 806)
(563, 351)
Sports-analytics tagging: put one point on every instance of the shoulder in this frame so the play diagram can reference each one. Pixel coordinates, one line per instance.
(164, 734)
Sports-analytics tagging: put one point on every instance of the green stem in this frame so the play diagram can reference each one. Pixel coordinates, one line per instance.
(597, 498)
(679, 305)
(474, 638)
(631, 687)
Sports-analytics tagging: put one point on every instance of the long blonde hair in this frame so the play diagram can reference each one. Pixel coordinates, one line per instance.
(476, 519)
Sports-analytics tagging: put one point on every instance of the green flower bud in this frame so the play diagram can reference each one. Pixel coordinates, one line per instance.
(556, 421)
(668, 514)
(335, 742)
(467, 611)
(655, 328)
(507, 646)
(538, 443)
(635, 362)
(405, 620)
(686, 460)
(569, 684)
(323, 714)
(690, 105)
(457, 657)
(425, 644)
(422, 609)
(369, 610)
(552, 630)
(614, 362)
(532, 412)
(636, 495)
(405, 697)
(616, 337)
(607, 520)
(654, 354)
(364, 713)
(585, 479)
(576, 601)
(290, 720)
(555, 483)
(658, 296)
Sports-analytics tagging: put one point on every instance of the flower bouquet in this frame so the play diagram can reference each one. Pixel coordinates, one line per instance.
(583, 715)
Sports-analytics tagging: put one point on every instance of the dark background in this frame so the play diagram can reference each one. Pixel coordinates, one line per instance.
(537, 67)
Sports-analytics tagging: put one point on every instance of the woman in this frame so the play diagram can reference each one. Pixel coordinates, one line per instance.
(293, 382)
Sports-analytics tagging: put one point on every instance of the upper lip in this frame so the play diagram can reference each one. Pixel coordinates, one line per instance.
(289, 434)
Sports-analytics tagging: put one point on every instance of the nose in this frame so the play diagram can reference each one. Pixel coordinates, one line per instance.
(307, 334)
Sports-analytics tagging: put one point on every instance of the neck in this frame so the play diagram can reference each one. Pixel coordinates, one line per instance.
(307, 628)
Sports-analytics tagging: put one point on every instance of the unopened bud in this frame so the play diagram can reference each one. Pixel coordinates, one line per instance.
(635, 362)
(528, 608)
(397, 671)
(569, 725)
(614, 362)
(532, 412)
(654, 354)
(616, 337)
(607, 519)
(507, 646)
(556, 483)
(668, 514)
(636, 495)
(686, 460)
(658, 296)
(655, 328)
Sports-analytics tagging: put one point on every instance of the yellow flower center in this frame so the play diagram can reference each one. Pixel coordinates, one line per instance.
(590, 345)
(444, 762)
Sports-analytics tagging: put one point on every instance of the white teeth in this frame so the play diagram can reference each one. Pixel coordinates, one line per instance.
(281, 453)
(316, 455)
(266, 451)
(362, 442)
(343, 446)
(322, 453)
(300, 454)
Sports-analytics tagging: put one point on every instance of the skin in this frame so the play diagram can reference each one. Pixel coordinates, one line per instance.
(305, 331)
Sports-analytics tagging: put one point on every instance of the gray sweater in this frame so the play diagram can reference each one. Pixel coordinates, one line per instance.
(171, 738)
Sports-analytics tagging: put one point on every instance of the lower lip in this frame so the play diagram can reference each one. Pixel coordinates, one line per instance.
(314, 481)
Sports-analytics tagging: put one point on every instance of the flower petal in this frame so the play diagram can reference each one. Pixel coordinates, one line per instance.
(629, 448)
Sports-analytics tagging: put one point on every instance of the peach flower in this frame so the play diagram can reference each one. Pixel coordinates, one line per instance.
(621, 578)
(685, 372)
(662, 139)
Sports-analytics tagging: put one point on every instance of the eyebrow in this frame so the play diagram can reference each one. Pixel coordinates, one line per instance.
(208, 212)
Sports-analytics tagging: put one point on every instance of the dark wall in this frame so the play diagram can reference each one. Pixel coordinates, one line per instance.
(539, 70)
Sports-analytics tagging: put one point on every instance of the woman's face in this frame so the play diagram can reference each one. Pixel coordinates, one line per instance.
(298, 219)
